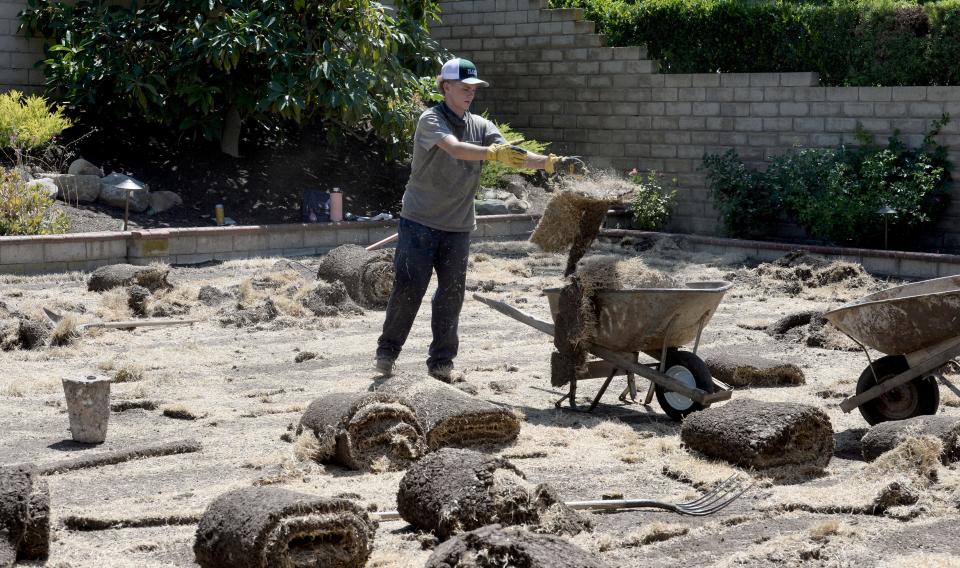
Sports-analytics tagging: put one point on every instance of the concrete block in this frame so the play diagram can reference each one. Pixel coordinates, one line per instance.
(858, 109)
(505, 30)
(706, 109)
(691, 94)
(950, 94)
(778, 94)
(691, 152)
(808, 124)
(187, 259)
(734, 79)
(764, 109)
(149, 248)
(764, 79)
(891, 110)
(948, 269)
(678, 80)
(809, 94)
(826, 109)
(763, 139)
(843, 94)
(719, 94)
(840, 124)
(665, 123)
(917, 269)
(793, 140)
(21, 253)
(719, 123)
(181, 244)
(748, 94)
(666, 94)
(910, 94)
(357, 236)
(879, 94)
(794, 109)
(824, 140)
(876, 125)
(210, 244)
(802, 79)
(705, 80)
(54, 251)
(735, 109)
(251, 242)
(921, 110)
(106, 249)
(694, 122)
(663, 151)
(672, 109)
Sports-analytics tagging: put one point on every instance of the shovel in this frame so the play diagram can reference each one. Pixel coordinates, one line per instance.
(55, 318)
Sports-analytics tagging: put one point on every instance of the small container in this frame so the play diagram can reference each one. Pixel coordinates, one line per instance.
(218, 212)
(336, 205)
(88, 404)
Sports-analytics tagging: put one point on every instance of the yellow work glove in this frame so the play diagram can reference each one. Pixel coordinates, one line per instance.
(512, 156)
(564, 164)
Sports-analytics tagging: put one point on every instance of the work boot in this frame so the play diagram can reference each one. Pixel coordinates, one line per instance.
(446, 373)
(385, 366)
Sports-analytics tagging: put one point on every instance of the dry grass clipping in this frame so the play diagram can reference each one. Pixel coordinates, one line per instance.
(65, 332)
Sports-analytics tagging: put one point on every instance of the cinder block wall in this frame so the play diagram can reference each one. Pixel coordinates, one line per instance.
(552, 78)
(18, 53)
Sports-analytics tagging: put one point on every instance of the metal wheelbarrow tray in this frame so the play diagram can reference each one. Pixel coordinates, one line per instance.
(917, 326)
(654, 321)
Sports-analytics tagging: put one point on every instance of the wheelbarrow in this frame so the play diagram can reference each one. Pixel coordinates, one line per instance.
(917, 327)
(652, 321)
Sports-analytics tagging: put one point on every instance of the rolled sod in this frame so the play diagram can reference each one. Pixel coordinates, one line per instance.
(450, 417)
(494, 546)
(888, 435)
(367, 275)
(24, 515)
(454, 490)
(742, 366)
(152, 278)
(267, 527)
(752, 433)
(360, 430)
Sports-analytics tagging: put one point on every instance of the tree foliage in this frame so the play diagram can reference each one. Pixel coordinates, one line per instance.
(206, 65)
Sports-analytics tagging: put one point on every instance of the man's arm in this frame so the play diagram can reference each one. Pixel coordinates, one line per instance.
(472, 152)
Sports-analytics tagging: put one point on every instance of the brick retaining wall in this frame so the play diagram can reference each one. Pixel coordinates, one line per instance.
(18, 53)
(552, 79)
(86, 251)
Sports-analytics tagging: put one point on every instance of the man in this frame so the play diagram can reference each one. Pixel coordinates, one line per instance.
(437, 216)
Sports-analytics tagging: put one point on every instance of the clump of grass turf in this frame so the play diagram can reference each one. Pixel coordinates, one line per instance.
(128, 374)
(65, 332)
(180, 412)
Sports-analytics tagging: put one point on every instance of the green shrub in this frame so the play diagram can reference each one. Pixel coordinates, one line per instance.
(25, 209)
(870, 42)
(652, 205)
(836, 194)
(27, 123)
(493, 172)
(748, 204)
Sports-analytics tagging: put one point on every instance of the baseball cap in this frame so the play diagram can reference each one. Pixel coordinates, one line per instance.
(458, 69)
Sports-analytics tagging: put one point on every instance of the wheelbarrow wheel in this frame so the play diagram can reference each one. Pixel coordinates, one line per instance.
(689, 370)
(917, 397)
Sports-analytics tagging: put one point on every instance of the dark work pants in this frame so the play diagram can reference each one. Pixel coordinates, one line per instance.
(420, 251)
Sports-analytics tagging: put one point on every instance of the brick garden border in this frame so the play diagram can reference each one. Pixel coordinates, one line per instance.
(86, 251)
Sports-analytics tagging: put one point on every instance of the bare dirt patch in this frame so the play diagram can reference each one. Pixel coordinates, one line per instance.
(245, 390)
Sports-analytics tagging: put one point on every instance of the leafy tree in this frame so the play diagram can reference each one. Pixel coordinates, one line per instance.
(209, 65)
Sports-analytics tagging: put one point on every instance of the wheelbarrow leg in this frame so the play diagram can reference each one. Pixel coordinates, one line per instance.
(572, 394)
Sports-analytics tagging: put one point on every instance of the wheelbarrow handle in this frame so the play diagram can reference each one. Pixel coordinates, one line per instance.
(384, 242)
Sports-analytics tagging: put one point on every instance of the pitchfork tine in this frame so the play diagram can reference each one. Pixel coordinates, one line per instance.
(720, 497)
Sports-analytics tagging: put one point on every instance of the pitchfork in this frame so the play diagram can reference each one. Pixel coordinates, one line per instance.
(708, 503)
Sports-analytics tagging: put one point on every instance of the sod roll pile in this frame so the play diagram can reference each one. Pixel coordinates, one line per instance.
(153, 277)
(494, 546)
(752, 433)
(453, 490)
(888, 435)
(24, 515)
(267, 527)
(451, 417)
(744, 366)
(367, 275)
(365, 431)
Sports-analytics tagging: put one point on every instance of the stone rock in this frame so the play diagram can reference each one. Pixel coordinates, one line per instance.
(25, 174)
(501, 206)
(82, 167)
(304, 356)
(753, 433)
(742, 366)
(114, 197)
(161, 201)
(73, 188)
(514, 184)
(49, 186)
(886, 436)
(152, 277)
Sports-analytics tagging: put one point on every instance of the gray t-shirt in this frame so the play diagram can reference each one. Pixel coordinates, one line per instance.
(441, 189)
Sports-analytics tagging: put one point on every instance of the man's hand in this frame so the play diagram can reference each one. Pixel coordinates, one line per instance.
(565, 164)
(512, 156)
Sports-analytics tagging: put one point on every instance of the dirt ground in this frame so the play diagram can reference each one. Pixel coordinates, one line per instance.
(242, 388)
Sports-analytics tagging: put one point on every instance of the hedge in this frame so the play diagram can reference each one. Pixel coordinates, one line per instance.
(874, 42)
